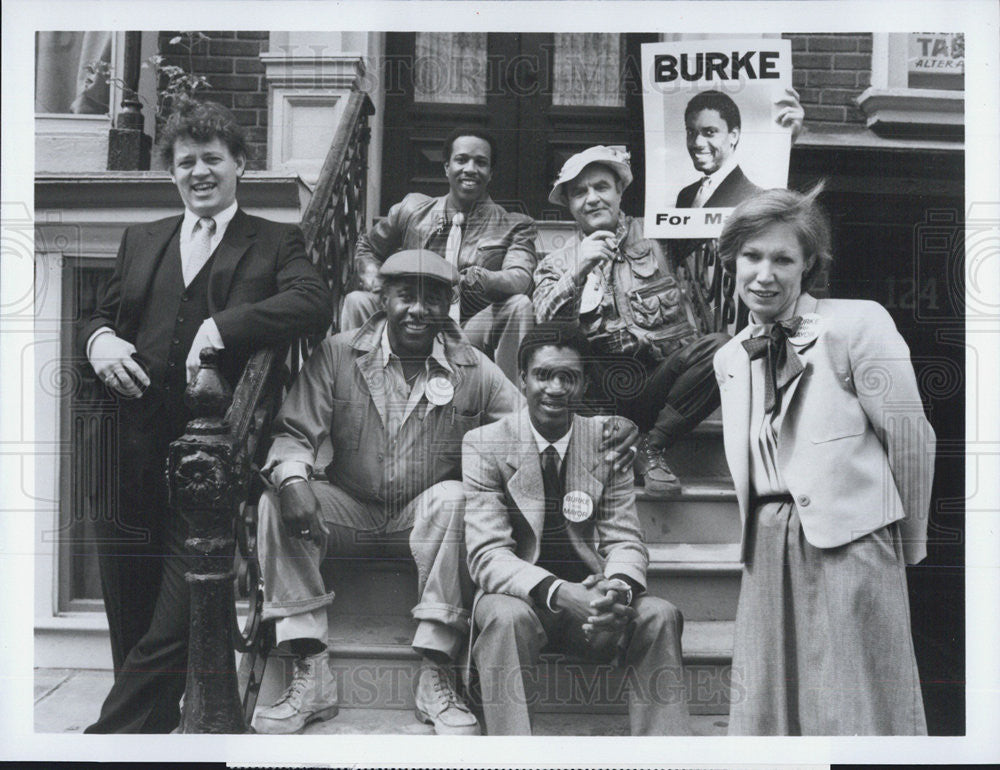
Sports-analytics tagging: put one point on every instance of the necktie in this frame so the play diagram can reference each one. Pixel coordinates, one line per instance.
(201, 248)
(773, 345)
(452, 250)
(551, 481)
(703, 194)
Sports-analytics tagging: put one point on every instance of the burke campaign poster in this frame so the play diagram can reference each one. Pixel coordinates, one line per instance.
(711, 131)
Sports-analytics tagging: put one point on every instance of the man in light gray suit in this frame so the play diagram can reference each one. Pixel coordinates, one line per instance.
(556, 549)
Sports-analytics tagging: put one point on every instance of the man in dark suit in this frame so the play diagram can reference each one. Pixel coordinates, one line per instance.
(555, 546)
(213, 277)
(712, 122)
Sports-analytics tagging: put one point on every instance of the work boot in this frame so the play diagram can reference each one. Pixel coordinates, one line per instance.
(311, 697)
(651, 466)
(438, 704)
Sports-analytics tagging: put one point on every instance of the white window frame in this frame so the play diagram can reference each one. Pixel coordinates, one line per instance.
(890, 103)
(71, 143)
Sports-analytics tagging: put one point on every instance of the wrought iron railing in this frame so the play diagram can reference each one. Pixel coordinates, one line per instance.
(212, 467)
(335, 216)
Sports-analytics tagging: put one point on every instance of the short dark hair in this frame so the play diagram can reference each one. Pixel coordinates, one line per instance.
(202, 122)
(714, 100)
(800, 211)
(560, 334)
(479, 133)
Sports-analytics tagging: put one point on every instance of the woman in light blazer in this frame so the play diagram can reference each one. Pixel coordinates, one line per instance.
(833, 460)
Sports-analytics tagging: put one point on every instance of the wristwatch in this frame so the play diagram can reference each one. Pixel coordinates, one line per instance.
(623, 589)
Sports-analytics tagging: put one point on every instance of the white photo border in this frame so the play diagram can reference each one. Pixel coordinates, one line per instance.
(21, 18)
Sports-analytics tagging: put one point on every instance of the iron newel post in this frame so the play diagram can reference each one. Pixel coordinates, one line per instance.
(207, 469)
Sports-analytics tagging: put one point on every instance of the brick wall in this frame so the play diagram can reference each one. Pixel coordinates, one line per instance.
(231, 63)
(829, 71)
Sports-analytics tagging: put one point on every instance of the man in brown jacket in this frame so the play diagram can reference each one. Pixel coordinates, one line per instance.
(394, 398)
(492, 248)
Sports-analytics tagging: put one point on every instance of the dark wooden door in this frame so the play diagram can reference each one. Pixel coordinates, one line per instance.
(544, 97)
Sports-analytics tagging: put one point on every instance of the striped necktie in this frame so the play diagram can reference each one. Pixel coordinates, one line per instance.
(552, 484)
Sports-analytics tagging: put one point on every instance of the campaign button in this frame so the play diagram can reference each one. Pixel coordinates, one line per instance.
(439, 390)
(577, 506)
(808, 330)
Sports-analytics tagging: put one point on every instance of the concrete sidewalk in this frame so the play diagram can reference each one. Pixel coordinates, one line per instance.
(67, 700)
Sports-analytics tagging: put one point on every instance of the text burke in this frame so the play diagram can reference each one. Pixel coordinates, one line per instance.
(753, 65)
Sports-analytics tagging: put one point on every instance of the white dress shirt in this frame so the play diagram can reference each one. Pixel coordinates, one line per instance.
(222, 220)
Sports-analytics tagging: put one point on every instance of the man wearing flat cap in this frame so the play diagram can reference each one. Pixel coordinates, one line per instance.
(492, 248)
(394, 398)
(654, 366)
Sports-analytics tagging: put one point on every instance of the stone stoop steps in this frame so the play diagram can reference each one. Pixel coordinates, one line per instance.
(694, 563)
(693, 543)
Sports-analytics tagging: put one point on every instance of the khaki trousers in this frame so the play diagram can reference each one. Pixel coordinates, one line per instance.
(431, 530)
(510, 636)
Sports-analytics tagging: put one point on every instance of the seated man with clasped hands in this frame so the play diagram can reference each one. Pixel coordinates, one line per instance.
(556, 549)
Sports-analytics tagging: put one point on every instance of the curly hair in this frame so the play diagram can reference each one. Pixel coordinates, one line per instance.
(800, 211)
(202, 122)
(560, 334)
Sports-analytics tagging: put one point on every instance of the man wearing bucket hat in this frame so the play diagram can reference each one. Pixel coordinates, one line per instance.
(395, 398)
(655, 367)
(493, 249)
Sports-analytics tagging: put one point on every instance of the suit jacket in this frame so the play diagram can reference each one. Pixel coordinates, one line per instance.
(854, 446)
(732, 191)
(505, 506)
(262, 287)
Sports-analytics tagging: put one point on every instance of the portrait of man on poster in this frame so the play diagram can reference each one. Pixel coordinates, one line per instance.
(718, 126)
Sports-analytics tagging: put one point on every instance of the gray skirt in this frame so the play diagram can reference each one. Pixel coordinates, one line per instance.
(823, 644)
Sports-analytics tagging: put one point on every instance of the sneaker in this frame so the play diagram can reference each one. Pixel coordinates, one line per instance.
(311, 697)
(438, 704)
(658, 479)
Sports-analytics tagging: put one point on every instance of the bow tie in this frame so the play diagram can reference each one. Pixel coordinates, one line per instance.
(773, 345)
